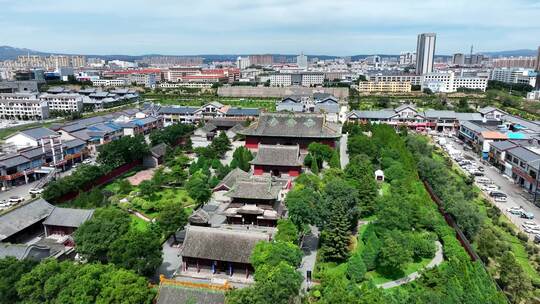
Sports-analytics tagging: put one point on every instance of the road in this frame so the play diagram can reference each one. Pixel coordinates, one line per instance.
(517, 196)
(344, 156)
(309, 247)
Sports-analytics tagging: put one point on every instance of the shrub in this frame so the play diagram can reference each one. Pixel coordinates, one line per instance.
(523, 236)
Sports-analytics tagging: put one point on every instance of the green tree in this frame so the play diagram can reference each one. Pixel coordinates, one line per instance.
(125, 287)
(314, 168)
(394, 255)
(286, 231)
(241, 158)
(273, 253)
(335, 236)
(95, 236)
(198, 188)
(302, 206)
(515, 283)
(334, 160)
(356, 269)
(11, 271)
(172, 216)
(277, 284)
(137, 250)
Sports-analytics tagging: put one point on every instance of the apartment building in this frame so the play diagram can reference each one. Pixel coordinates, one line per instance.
(22, 107)
(448, 82)
(514, 75)
(391, 86)
(63, 102)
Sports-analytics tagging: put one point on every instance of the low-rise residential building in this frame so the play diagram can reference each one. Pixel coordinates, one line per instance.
(117, 82)
(21, 106)
(306, 79)
(63, 102)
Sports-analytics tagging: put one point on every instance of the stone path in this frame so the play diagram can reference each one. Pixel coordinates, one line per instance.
(309, 247)
(344, 156)
(437, 260)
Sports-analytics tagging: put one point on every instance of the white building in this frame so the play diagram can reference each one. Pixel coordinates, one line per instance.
(194, 85)
(63, 102)
(119, 82)
(407, 58)
(302, 61)
(146, 79)
(306, 79)
(514, 75)
(22, 107)
(534, 95)
(243, 63)
(448, 82)
(425, 53)
(412, 79)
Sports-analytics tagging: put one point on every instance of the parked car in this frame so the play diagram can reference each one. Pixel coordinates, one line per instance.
(4, 204)
(537, 238)
(490, 188)
(484, 180)
(500, 199)
(497, 193)
(530, 226)
(527, 215)
(87, 161)
(532, 230)
(16, 199)
(36, 191)
(515, 210)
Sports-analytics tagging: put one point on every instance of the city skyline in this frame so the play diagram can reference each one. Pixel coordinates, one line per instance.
(278, 26)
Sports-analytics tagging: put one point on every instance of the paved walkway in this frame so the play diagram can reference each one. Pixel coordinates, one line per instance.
(309, 247)
(344, 156)
(437, 260)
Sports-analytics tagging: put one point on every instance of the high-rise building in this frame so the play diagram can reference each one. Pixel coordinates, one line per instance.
(458, 59)
(243, 63)
(261, 59)
(407, 58)
(538, 60)
(301, 61)
(425, 53)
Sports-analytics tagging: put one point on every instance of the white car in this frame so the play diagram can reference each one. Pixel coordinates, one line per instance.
(530, 223)
(531, 226)
(4, 204)
(500, 199)
(515, 210)
(532, 230)
(16, 199)
(36, 191)
(489, 188)
(87, 161)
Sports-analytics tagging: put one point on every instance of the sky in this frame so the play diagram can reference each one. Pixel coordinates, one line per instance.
(322, 27)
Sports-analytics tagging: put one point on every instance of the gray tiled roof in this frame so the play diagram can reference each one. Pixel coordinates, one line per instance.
(23, 217)
(169, 294)
(474, 127)
(230, 179)
(32, 153)
(524, 154)
(277, 155)
(221, 244)
(177, 110)
(68, 217)
(381, 114)
(488, 109)
(405, 106)
(243, 112)
(293, 125)
(38, 133)
(13, 161)
(23, 251)
(440, 114)
(468, 116)
(502, 145)
(255, 189)
(73, 143)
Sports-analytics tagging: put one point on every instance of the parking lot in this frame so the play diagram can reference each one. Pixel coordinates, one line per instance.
(513, 201)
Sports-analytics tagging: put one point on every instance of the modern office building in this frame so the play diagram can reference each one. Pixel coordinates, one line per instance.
(302, 61)
(538, 60)
(425, 53)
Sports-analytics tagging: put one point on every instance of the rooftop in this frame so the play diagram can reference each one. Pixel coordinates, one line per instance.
(23, 217)
(221, 244)
(293, 125)
(277, 155)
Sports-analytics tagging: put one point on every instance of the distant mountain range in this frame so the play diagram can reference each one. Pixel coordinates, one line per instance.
(8, 52)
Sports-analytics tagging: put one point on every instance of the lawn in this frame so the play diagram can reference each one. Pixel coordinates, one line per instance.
(268, 104)
(139, 224)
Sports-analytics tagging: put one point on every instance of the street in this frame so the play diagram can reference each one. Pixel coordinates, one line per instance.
(516, 195)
